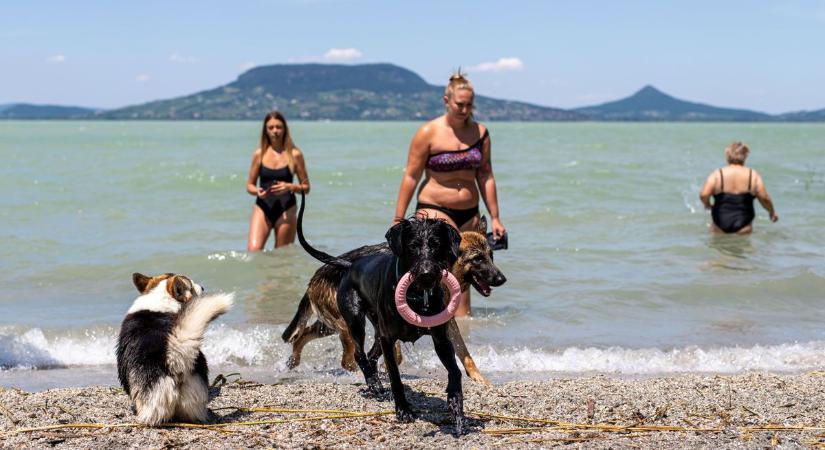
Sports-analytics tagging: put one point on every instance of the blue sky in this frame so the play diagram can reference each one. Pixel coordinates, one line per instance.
(762, 55)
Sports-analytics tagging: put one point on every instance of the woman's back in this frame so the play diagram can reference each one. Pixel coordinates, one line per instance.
(734, 179)
(733, 188)
(733, 205)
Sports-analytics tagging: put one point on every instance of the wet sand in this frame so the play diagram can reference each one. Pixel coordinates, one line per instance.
(751, 410)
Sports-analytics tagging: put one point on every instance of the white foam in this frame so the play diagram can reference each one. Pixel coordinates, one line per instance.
(33, 350)
(229, 255)
(261, 346)
(791, 357)
(223, 344)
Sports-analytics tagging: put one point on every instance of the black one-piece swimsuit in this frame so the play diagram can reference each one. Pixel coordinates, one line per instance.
(274, 206)
(732, 212)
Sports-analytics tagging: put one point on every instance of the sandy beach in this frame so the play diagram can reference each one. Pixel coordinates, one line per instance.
(751, 410)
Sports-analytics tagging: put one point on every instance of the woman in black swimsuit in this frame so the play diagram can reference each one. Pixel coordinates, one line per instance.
(453, 151)
(275, 163)
(734, 188)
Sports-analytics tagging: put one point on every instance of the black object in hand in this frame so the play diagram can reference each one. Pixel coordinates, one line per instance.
(497, 244)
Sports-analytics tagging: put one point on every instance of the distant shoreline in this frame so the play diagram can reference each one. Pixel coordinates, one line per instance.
(387, 92)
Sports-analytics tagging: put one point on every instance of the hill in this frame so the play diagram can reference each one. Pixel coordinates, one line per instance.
(329, 91)
(29, 111)
(651, 104)
(803, 116)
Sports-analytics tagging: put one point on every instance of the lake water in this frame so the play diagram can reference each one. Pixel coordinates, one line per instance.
(610, 266)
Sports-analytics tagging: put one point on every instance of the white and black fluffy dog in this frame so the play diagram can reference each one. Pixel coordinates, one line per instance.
(159, 361)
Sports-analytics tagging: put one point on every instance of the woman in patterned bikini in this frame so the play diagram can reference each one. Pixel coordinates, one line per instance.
(454, 152)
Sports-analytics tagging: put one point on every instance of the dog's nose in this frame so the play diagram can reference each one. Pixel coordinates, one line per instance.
(498, 280)
(427, 279)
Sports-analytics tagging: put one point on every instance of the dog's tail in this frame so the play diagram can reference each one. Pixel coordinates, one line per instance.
(187, 334)
(325, 258)
(300, 319)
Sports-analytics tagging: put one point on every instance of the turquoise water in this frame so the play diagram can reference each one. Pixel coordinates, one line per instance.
(610, 266)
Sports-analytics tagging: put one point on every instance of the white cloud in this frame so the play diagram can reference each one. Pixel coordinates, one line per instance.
(498, 66)
(56, 59)
(176, 58)
(342, 54)
(247, 65)
(142, 78)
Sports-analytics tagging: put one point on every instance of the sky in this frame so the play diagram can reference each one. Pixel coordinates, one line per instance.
(763, 55)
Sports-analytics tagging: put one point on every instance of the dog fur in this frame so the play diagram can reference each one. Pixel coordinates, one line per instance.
(474, 266)
(159, 361)
(423, 247)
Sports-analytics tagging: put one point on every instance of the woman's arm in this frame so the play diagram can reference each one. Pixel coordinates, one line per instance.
(707, 190)
(301, 172)
(487, 187)
(252, 179)
(763, 197)
(416, 160)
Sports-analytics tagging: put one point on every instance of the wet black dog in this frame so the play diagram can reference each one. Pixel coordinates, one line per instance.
(425, 248)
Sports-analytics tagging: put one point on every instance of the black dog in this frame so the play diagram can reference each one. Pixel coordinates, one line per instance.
(425, 248)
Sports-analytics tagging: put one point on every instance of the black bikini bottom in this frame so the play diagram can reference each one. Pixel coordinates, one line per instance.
(458, 216)
(274, 206)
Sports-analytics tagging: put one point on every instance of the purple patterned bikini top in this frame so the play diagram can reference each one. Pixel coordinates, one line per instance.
(467, 159)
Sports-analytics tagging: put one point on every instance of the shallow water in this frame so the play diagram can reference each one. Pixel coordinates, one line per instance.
(610, 266)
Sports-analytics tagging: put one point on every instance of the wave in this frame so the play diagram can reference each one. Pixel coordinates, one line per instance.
(788, 357)
(261, 346)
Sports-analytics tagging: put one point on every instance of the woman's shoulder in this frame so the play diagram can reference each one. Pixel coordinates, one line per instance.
(431, 125)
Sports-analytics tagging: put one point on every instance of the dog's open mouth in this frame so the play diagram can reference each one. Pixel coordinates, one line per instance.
(481, 286)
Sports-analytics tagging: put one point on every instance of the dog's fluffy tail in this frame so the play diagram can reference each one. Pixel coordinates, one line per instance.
(300, 319)
(325, 258)
(185, 342)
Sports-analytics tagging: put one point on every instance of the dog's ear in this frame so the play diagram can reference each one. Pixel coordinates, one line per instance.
(180, 288)
(453, 237)
(395, 237)
(140, 281)
(482, 225)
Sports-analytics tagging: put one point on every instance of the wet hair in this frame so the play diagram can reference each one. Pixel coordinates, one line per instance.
(736, 153)
(286, 140)
(457, 81)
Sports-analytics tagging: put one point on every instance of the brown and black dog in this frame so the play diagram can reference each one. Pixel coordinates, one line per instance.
(474, 266)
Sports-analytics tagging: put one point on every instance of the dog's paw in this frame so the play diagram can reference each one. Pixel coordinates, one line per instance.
(459, 426)
(404, 415)
(456, 406)
(375, 388)
(349, 364)
(293, 362)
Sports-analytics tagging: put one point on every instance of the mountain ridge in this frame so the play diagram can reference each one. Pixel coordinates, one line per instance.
(383, 91)
(329, 92)
(651, 104)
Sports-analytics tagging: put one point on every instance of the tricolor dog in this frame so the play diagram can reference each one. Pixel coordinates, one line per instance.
(159, 361)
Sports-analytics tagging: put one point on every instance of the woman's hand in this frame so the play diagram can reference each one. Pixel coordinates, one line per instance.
(498, 229)
(280, 188)
(262, 193)
(774, 217)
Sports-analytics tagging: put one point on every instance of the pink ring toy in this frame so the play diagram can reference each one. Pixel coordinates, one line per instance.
(427, 321)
